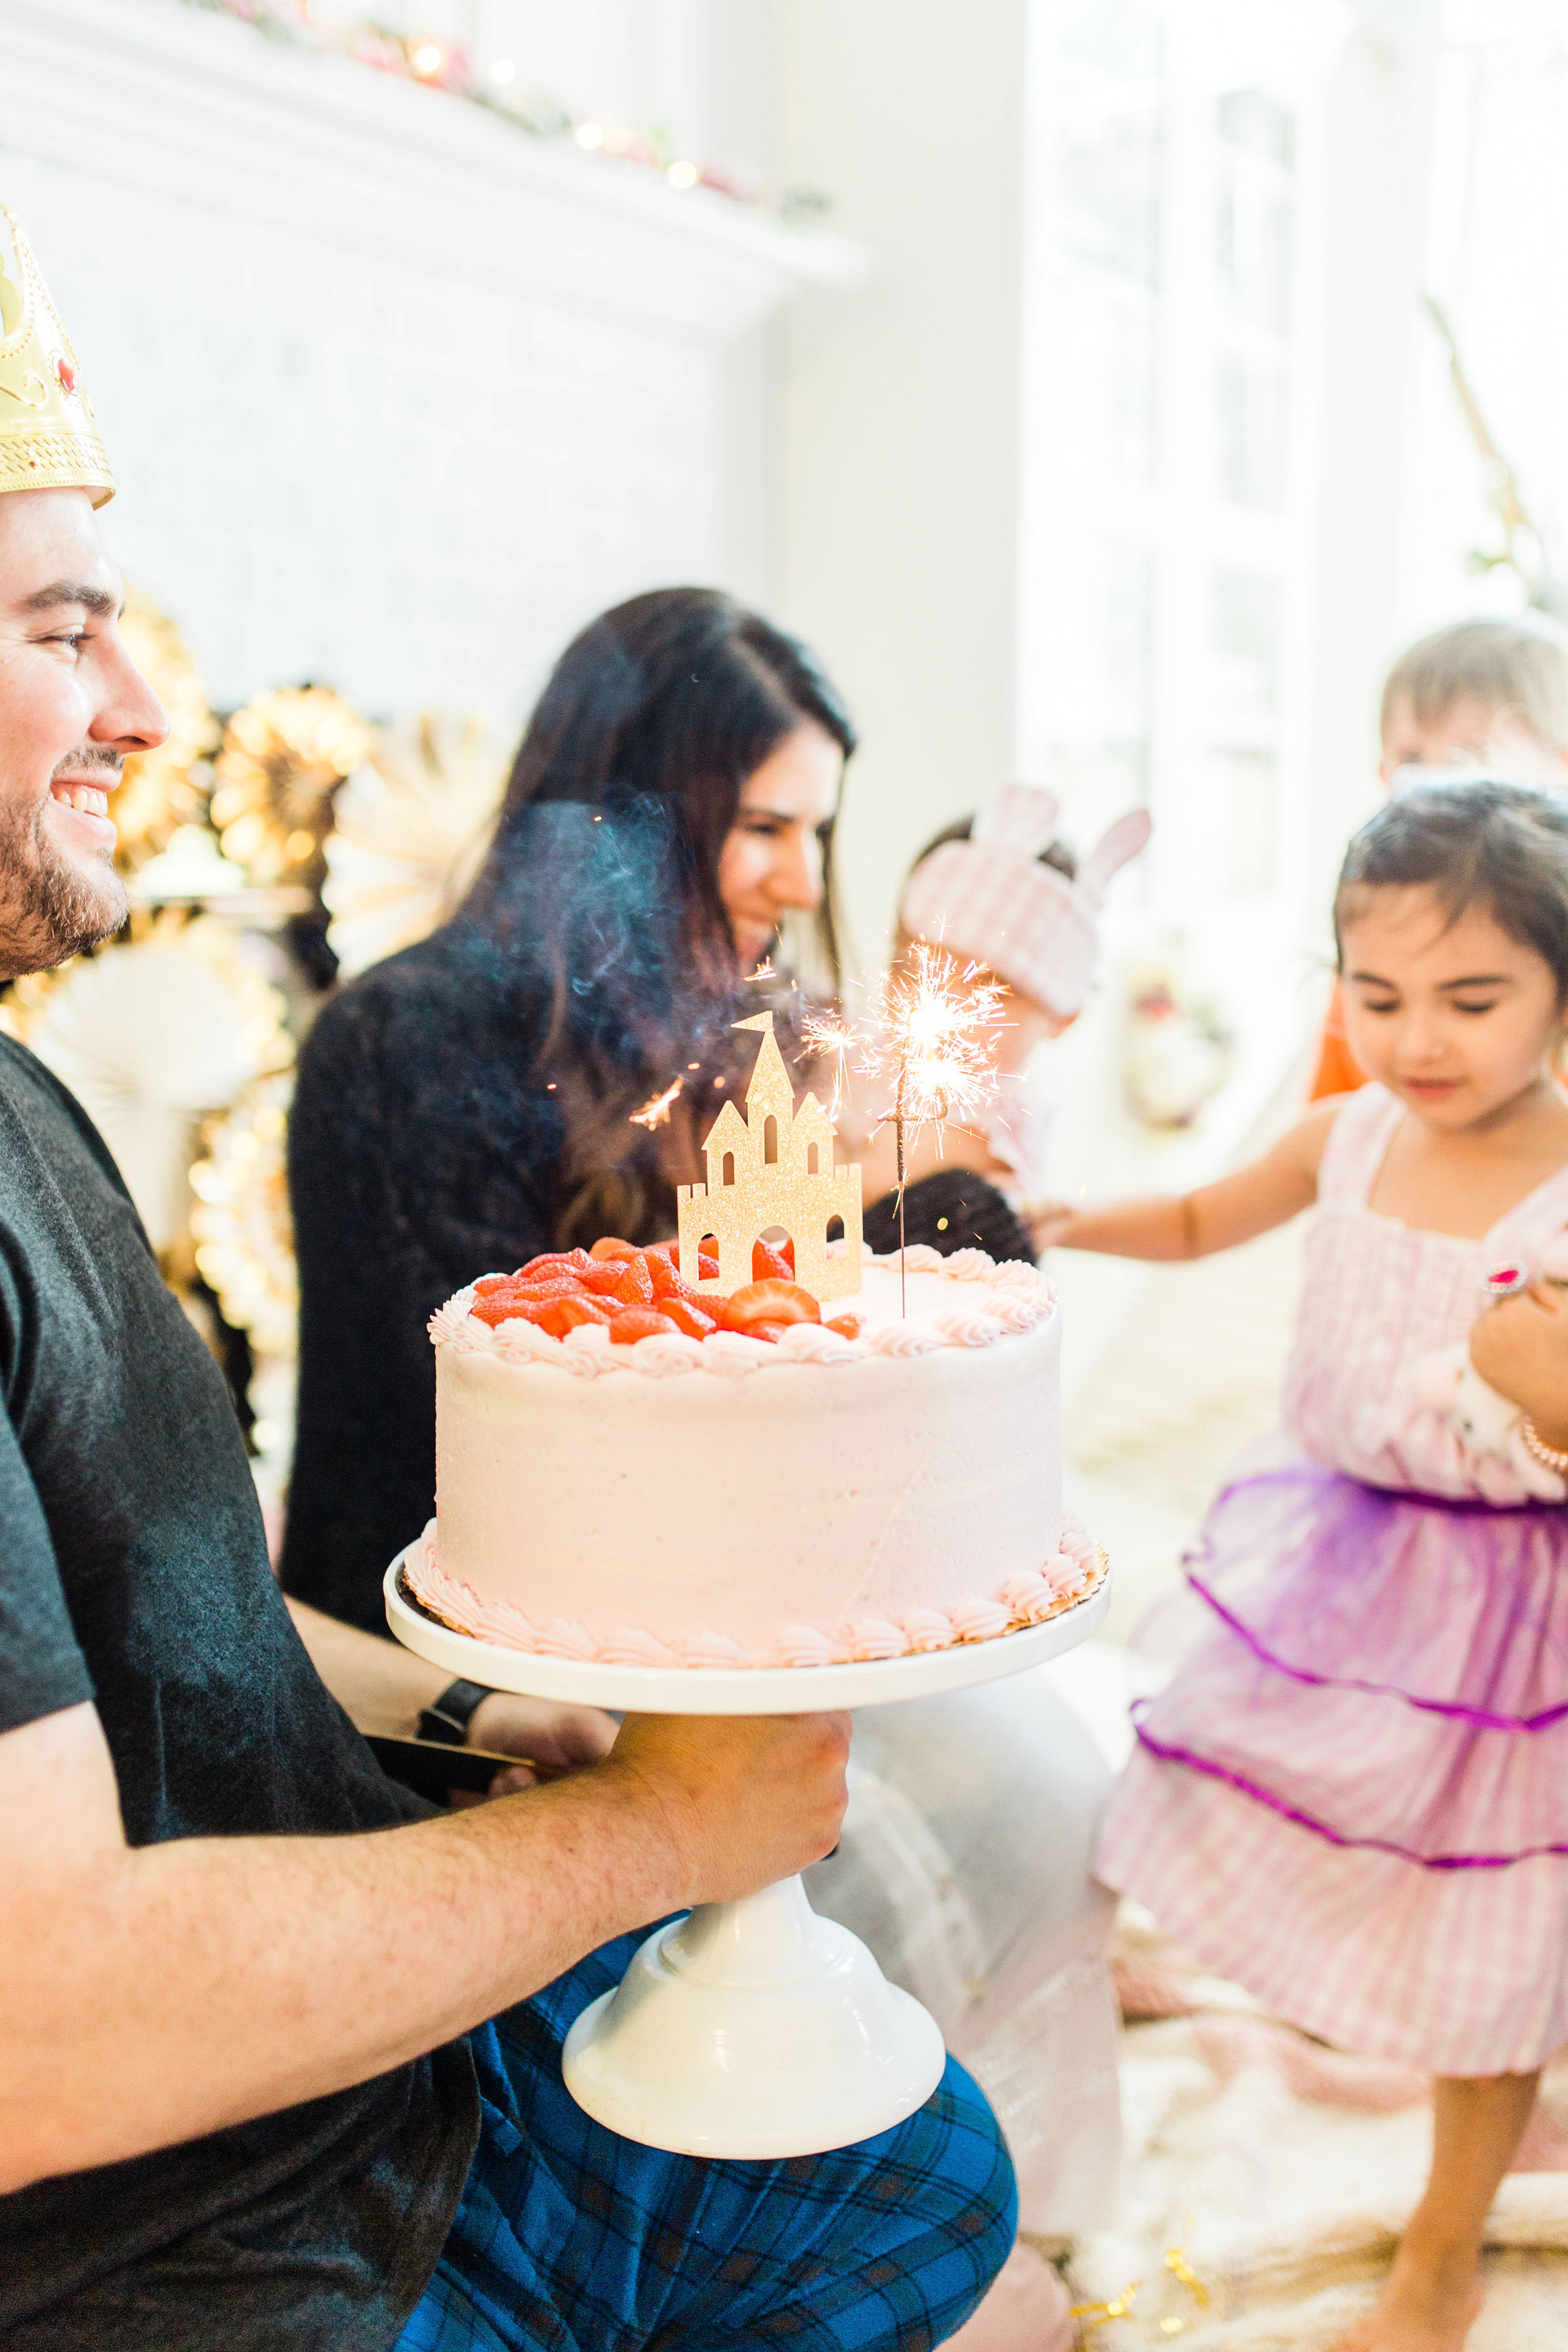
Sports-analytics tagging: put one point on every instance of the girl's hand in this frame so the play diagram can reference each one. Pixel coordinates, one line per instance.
(556, 1738)
(1051, 1223)
(1520, 1347)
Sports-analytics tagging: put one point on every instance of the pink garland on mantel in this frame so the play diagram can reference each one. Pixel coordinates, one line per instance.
(450, 70)
(1067, 1578)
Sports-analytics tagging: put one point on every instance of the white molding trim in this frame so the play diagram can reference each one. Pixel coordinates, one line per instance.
(155, 95)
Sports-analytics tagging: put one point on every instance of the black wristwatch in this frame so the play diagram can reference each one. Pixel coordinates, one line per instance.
(448, 1720)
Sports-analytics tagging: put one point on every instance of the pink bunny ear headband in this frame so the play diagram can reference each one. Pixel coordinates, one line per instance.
(990, 898)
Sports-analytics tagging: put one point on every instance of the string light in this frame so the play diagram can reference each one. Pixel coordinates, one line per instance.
(445, 67)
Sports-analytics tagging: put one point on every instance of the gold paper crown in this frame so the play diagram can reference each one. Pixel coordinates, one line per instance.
(47, 438)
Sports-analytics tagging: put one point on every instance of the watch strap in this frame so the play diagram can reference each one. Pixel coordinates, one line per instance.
(447, 1718)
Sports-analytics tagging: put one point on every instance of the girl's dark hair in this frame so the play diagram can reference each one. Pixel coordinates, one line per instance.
(1055, 854)
(599, 896)
(1479, 844)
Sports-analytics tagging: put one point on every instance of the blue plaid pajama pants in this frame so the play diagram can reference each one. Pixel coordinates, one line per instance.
(571, 2240)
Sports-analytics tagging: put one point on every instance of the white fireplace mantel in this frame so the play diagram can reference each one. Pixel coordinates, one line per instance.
(159, 95)
(396, 396)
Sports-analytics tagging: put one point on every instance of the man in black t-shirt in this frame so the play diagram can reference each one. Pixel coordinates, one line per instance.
(248, 2094)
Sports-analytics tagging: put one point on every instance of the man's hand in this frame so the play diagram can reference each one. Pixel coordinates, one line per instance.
(743, 1800)
(1520, 1347)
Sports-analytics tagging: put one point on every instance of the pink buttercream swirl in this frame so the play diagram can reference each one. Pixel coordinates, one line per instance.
(732, 1353)
(565, 1638)
(1018, 1274)
(979, 1620)
(665, 1355)
(903, 1339)
(970, 1327)
(1027, 1599)
(969, 1265)
(632, 1645)
(1076, 1539)
(1061, 1574)
(865, 1638)
(806, 1645)
(919, 1258)
(1030, 1597)
(813, 1343)
(713, 1650)
(518, 1342)
(1016, 1310)
(929, 1629)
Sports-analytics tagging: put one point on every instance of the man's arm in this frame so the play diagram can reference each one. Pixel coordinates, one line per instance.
(155, 1993)
(385, 1688)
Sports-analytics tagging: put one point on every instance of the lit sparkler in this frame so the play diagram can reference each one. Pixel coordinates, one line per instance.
(828, 1038)
(655, 1113)
(931, 1033)
(937, 1024)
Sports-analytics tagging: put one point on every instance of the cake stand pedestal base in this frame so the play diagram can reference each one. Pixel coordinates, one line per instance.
(752, 2029)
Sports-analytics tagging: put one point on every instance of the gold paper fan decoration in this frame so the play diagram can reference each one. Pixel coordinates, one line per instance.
(158, 791)
(152, 1035)
(283, 758)
(244, 1236)
(409, 832)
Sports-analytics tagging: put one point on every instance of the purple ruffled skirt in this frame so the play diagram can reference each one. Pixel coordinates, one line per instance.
(1362, 1771)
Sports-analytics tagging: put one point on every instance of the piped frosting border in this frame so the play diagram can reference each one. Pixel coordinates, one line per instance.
(1070, 1576)
(1018, 1298)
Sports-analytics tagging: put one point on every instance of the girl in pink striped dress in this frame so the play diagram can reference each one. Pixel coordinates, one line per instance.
(1353, 1797)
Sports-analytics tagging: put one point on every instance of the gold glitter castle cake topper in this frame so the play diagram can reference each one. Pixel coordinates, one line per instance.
(774, 1168)
(47, 437)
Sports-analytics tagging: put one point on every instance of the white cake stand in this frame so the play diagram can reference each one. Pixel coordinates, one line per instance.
(752, 2029)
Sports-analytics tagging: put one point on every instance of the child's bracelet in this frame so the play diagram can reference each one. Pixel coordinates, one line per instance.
(1551, 1457)
(1189, 1226)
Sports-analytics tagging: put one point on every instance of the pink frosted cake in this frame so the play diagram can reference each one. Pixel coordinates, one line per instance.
(797, 1494)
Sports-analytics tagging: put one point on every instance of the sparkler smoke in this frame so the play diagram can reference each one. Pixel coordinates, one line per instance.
(578, 948)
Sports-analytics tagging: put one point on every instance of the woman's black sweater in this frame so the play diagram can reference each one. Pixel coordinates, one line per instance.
(426, 1149)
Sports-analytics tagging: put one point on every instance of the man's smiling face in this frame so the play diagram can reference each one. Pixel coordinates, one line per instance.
(73, 708)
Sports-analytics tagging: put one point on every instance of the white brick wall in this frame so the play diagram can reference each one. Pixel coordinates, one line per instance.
(397, 397)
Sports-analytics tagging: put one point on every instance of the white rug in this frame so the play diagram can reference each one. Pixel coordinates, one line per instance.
(1268, 2177)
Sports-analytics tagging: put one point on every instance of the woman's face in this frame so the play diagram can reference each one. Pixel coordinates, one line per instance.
(771, 857)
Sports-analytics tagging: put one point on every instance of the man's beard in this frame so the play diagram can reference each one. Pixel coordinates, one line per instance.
(50, 909)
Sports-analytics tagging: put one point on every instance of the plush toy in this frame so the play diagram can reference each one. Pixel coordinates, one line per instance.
(1446, 1382)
